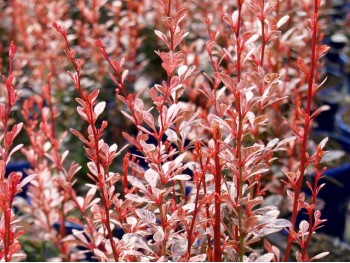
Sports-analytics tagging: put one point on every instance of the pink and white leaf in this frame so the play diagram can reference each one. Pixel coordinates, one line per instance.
(151, 177)
(146, 215)
(99, 108)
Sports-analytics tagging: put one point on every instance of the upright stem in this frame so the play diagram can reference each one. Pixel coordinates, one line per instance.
(303, 162)
(52, 113)
(217, 224)
(263, 43)
(209, 248)
(7, 216)
(193, 223)
(6, 148)
(103, 197)
(239, 136)
(96, 147)
(311, 212)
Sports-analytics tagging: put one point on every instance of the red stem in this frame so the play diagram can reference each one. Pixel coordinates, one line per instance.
(239, 137)
(262, 21)
(52, 113)
(195, 212)
(209, 249)
(7, 216)
(96, 149)
(311, 212)
(303, 162)
(217, 224)
(101, 186)
(7, 212)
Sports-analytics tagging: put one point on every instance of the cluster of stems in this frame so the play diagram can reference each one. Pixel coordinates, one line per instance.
(209, 138)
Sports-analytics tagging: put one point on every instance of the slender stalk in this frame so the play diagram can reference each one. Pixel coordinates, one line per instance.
(217, 224)
(239, 137)
(7, 216)
(169, 8)
(209, 248)
(263, 42)
(193, 223)
(84, 96)
(101, 186)
(163, 226)
(8, 207)
(52, 113)
(311, 211)
(303, 162)
(240, 195)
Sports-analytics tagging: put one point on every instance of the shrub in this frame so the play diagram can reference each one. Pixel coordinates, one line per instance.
(215, 126)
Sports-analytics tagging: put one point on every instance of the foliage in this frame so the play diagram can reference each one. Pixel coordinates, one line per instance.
(215, 136)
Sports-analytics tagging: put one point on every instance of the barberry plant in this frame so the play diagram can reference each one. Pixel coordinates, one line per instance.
(10, 229)
(217, 132)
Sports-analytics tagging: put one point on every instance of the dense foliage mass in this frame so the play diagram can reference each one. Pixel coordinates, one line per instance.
(211, 102)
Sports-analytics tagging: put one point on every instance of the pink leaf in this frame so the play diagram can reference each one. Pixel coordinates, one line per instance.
(146, 215)
(321, 255)
(99, 108)
(152, 177)
(26, 180)
(181, 177)
(159, 235)
(304, 226)
(100, 254)
(282, 21)
(198, 258)
(162, 36)
(15, 149)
